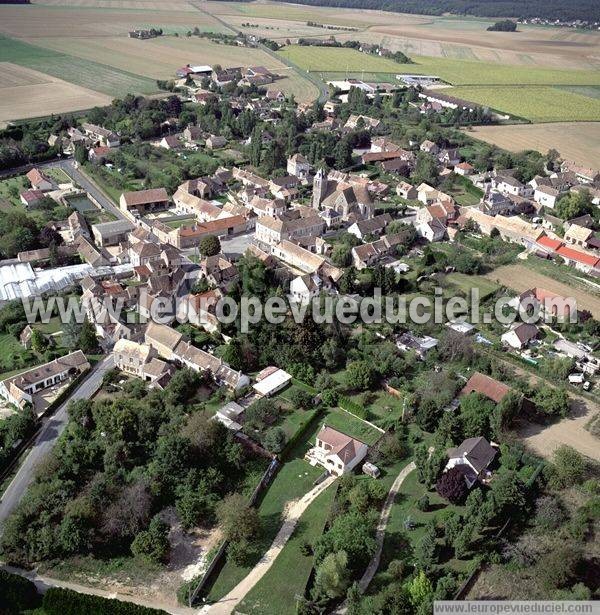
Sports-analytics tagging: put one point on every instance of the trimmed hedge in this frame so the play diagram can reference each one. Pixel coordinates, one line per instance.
(58, 601)
(351, 406)
(17, 594)
(310, 416)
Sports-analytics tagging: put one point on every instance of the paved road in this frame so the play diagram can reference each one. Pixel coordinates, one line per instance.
(46, 439)
(43, 583)
(227, 604)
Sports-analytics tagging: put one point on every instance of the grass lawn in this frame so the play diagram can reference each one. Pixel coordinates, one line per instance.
(13, 357)
(58, 175)
(54, 325)
(178, 223)
(465, 282)
(394, 546)
(351, 425)
(293, 480)
(11, 188)
(275, 593)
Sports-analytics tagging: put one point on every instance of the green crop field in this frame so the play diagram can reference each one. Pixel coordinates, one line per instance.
(85, 73)
(455, 71)
(538, 104)
(467, 72)
(338, 59)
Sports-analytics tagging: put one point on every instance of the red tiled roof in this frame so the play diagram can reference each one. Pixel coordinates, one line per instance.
(548, 242)
(490, 388)
(142, 197)
(580, 257)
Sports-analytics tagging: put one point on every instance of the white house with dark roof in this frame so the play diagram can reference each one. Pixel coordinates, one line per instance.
(472, 457)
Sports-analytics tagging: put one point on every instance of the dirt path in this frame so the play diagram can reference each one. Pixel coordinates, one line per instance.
(545, 439)
(227, 604)
(43, 583)
(382, 525)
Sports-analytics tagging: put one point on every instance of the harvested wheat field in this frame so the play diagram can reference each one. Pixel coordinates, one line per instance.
(28, 93)
(72, 22)
(571, 431)
(520, 278)
(574, 140)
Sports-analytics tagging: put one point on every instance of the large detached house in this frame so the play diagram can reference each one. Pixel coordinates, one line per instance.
(472, 457)
(22, 388)
(337, 452)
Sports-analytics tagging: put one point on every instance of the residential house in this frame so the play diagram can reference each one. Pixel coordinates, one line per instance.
(200, 309)
(216, 142)
(504, 182)
(170, 142)
(219, 271)
(140, 360)
(298, 166)
(337, 452)
(100, 135)
(31, 198)
(372, 226)
(39, 181)
(231, 415)
(271, 231)
(578, 235)
(432, 230)
(275, 96)
(22, 388)
(406, 191)
(448, 157)
(193, 134)
(464, 169)
(369, 254)
(429, 147)
(420, 345)
(520, 336)
(428, 194)
(473, 457)
(267, 207)
(304, 288)
(144, 252)
(354, 121)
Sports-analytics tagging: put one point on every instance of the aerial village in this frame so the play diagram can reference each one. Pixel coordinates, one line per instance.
(404, 211)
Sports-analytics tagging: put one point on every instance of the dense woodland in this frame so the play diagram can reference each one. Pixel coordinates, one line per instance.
(587, 10)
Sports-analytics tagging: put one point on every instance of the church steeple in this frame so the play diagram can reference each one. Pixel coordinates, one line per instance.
(319, 188)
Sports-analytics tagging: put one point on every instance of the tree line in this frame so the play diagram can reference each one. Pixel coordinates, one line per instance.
(587, 10)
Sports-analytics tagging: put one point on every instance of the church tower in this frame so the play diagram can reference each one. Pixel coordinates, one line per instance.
(319, 188)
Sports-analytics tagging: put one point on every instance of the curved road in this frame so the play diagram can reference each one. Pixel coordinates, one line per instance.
(46, 439)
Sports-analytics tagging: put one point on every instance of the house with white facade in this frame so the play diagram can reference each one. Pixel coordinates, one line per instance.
(337, 452)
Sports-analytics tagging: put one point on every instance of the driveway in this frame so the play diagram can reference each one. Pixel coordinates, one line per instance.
(228, 603)
(46, 440)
